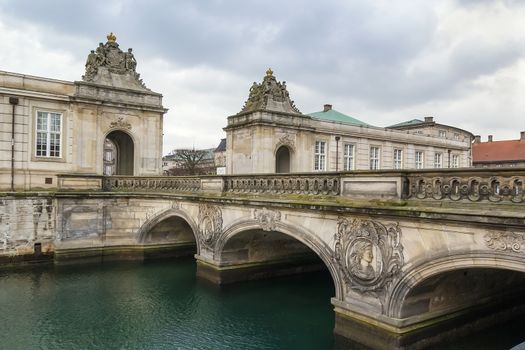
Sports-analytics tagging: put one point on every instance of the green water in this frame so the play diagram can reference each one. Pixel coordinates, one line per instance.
(161, 305)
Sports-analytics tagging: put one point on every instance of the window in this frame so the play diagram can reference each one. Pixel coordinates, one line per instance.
(442, 134)
(320, 155)
(398, 158)
(455, 161)
(438, 160)
(374, 158)
(48, 134)
(348, 157)
(456, 136)
(420, 160)
(108, 156)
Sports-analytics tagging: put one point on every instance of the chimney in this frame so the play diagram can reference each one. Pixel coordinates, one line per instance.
(490, 138)
(327, 108)
(477, 139)
(522, 136)
(429, 119)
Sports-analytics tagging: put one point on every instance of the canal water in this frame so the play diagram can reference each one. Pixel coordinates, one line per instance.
(161, 305)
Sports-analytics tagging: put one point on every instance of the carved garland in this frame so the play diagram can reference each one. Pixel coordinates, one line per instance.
(286, 140)
(267, 218)
(120, 123)
(368, 253)
(210, 225)
(506, 241)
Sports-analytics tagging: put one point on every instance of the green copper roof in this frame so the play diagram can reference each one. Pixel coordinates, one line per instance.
(407, 123)
(335, 116)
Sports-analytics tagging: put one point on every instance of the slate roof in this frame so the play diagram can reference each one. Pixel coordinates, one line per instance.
(221, 147)
(407, 123)
(335, 116)
(498, 151)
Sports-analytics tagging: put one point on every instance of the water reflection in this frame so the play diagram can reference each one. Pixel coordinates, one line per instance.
(161, 306)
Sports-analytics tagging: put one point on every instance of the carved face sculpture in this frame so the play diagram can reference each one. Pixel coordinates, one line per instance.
(361, 258)
(207, 228)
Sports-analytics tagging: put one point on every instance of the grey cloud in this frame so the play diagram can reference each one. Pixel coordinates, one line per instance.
(359, 50)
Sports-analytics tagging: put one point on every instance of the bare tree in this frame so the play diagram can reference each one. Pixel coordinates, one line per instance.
(189, 162)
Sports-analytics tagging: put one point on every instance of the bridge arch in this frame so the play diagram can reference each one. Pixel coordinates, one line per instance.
(417, 274)
(301, 234)
(176, 215)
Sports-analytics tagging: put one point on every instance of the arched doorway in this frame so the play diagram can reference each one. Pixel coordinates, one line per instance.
(119, 154)
(282, 160)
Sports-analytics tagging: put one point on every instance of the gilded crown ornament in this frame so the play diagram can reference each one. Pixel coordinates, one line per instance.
(111, 37)
(269, 72)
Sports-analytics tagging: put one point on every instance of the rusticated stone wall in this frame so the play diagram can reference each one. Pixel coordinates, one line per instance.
(24, 222)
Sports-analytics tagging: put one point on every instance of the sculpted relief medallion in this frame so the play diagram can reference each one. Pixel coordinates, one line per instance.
(369, 254)
(210, 225)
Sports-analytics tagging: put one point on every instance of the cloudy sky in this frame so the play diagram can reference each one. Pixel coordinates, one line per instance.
(381, 61)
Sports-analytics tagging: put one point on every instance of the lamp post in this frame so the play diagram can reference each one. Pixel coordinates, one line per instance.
(337, 138)
(13, 101)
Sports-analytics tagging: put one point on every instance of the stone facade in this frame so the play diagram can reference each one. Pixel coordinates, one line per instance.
(109, 122)
(271, 135)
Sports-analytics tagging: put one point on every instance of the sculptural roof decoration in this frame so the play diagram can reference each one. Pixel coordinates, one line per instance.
(111, 37)
(270, 95)
(109, 65)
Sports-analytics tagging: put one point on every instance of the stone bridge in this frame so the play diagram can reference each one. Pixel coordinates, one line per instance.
(415, 256)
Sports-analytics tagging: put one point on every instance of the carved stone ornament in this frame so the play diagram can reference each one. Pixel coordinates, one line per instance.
(109, 58)
(269, 95)
(120, 123)
(210, 224)
(267, 218)
(175, 205)
(369, 254)
(286, 140)
(506, 241)
(492, 188)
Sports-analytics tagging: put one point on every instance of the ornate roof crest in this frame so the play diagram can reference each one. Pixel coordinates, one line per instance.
(270, 95)
(108, 60)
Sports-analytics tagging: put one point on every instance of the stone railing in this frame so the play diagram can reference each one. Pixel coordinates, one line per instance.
(465, 185)
(317, 184)
(153, 184)
(468, 185)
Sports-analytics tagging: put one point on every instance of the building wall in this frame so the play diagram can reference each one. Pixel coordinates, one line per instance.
(252, 141)
(89, 113)
(499, 164)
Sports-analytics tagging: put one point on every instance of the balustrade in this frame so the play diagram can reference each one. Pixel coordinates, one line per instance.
(169, 184)
(474, 188)
(472, 185)
(284, 184)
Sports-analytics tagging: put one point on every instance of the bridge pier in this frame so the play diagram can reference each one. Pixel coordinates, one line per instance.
(220, 273)
(380, 332)
(98, 254)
